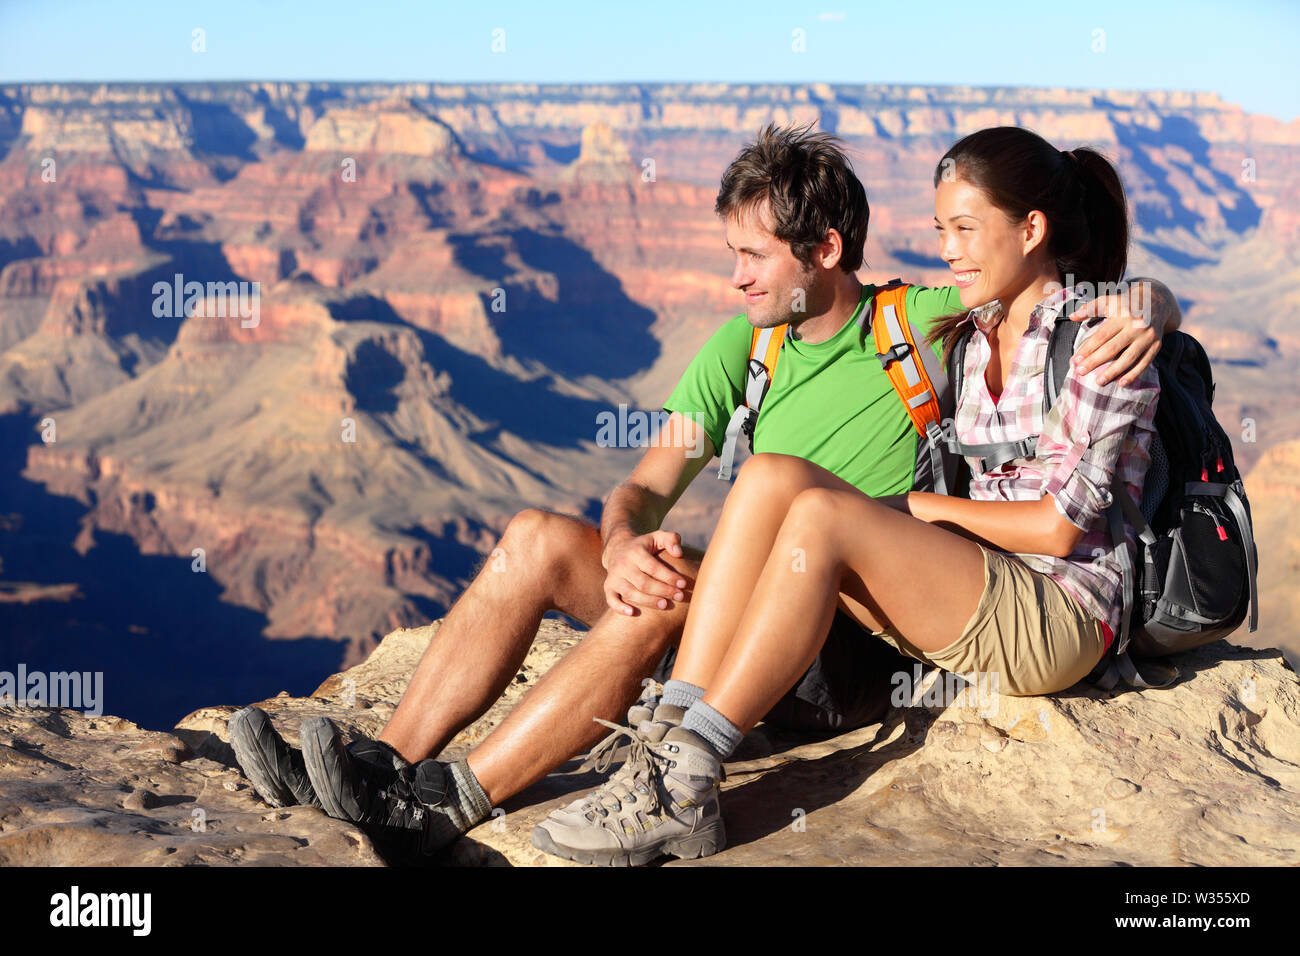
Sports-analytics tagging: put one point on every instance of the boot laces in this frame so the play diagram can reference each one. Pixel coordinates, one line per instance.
(640, 777)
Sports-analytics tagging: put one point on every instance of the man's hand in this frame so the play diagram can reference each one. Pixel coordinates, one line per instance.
(1136, 321)
(637, 575)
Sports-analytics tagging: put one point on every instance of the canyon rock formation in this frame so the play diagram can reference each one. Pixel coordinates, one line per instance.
(414, 301)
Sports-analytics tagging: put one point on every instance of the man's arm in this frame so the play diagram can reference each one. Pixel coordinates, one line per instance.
(640, 503)
(1130, 338)
(1165, 313)
(638, 506)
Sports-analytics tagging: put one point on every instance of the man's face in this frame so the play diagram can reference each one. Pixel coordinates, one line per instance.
(778, 287)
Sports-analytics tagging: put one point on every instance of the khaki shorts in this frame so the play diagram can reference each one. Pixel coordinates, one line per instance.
(1027, 629)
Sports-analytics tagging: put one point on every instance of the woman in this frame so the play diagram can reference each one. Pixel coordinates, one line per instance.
(1023, 572)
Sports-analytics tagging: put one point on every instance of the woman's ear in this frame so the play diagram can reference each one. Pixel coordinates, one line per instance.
(1035, 231)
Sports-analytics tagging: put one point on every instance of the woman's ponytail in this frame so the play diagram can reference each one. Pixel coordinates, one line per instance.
(1096, 250)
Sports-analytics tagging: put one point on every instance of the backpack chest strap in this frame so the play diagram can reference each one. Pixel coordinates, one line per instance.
(996, 454)
(1064, 339)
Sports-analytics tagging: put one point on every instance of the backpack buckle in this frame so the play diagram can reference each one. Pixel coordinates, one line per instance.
(747, 426)
(895, 353)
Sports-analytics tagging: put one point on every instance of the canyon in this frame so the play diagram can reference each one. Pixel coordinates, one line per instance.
(453, 284)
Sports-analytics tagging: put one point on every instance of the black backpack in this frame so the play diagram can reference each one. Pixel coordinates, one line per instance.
(1195, 543)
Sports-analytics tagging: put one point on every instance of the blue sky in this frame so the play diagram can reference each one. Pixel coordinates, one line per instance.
(1245, 51)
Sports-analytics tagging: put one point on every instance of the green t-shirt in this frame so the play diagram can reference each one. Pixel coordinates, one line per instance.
(830, 402)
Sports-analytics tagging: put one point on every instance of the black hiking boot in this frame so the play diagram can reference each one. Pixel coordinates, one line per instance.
(278, 772)
(409, 814)
(275, 769)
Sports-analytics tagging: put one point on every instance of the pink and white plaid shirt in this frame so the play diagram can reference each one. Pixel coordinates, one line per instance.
(1091, 432)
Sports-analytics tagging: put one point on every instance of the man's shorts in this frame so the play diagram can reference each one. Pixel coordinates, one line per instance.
(847, 686)
(1027, 629)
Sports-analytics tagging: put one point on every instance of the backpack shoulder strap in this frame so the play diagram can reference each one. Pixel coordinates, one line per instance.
(760, 370)
(957, 364)
(905, 364)
(1064, 341)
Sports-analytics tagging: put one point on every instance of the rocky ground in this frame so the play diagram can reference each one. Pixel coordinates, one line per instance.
(1205, 773)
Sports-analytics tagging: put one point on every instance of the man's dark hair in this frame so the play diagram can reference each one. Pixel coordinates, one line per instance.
(811, 187)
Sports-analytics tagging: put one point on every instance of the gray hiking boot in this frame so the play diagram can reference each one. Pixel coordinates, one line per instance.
(644, 708)
(651, 718)
(663, 801)
(410, 811)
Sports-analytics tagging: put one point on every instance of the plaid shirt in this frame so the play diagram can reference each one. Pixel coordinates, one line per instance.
(1091, 432)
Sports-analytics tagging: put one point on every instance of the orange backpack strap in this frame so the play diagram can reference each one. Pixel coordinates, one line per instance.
(899, 356)
(764, 349)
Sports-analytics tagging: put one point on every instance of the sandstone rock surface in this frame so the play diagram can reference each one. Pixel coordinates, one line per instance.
(1205, 773)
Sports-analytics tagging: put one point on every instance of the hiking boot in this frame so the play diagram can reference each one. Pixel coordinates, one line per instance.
(663, 801)
(647, 716)
(278, 772)
(644, 708)
(275, 769)
(411, 812)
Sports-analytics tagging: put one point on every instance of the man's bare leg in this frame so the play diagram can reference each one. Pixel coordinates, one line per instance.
(546, 562)
(601, 677)
(542, 562)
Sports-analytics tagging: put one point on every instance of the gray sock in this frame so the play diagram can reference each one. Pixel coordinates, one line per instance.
(716, 730)
(678, 693)
(469, 798)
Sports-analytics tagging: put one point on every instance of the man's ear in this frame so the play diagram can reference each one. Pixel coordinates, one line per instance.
(1035, 231)
(831, 249)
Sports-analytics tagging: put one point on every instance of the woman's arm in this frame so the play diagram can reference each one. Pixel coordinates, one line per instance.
(1079, 451)
(1021, 527)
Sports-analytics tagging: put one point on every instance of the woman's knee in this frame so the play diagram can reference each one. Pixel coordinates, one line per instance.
(773, 470)
(818, 507)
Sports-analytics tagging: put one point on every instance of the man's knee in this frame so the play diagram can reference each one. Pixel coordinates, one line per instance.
(688, 566)
(548, 541)
(643, 637)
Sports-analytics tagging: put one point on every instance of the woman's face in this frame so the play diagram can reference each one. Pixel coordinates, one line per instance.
(990, 256)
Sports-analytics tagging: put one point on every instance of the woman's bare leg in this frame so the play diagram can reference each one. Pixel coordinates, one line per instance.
(882, 564)
(740, 548)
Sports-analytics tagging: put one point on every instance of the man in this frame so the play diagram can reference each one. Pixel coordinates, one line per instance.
(796, 219)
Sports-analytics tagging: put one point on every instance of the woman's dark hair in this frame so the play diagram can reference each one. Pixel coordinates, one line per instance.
(811, 187)
(1077, 190)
